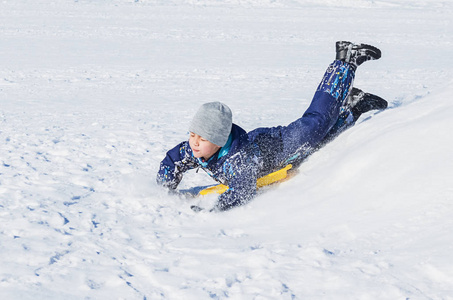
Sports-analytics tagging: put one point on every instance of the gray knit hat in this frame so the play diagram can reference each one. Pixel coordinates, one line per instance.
(213, 121)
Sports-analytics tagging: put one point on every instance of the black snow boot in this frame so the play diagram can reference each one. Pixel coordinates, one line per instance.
(356, 54)
(361, 102)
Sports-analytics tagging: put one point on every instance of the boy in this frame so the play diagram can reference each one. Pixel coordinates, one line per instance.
(236, 158)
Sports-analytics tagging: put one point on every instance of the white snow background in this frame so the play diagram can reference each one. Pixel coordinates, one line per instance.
(94, 92)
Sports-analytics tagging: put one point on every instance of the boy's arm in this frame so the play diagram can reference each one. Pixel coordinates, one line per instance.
(242, 177)
(177, 161)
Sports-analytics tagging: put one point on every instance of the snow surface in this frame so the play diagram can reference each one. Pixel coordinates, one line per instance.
(93, 93)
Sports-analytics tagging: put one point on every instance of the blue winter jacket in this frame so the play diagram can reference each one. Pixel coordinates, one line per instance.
(236, 165)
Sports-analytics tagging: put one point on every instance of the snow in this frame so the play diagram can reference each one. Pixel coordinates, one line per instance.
(93, 93)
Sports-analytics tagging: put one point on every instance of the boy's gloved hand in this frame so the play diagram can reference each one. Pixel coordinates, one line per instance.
(196, 208)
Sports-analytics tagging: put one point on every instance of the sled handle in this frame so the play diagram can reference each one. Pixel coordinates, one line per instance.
(273, 177)
(262, 181)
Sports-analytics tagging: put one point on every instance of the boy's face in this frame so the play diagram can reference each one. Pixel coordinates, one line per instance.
(202, 148)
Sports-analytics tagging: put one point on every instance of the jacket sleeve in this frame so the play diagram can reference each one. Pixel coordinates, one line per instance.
(177, 161)
(241, 174)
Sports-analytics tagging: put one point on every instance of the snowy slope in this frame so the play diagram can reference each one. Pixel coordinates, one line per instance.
(93, 93)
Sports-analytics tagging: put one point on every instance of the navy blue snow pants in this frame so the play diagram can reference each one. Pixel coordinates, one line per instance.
(283, 144)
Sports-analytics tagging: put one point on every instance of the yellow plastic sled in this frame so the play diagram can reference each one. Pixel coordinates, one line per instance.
(263, 181)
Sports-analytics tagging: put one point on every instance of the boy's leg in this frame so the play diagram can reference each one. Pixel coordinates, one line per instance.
(307, 132)
(279, 143)
(302, 137)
